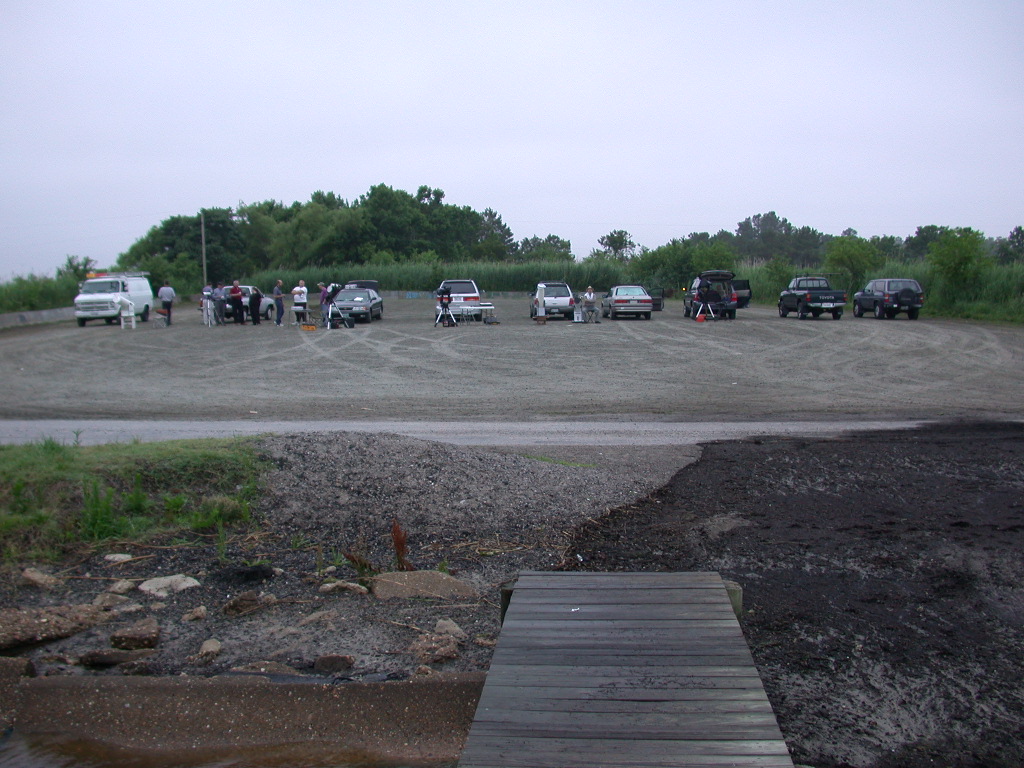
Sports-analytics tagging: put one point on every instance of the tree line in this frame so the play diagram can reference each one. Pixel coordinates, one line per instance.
(388, 228)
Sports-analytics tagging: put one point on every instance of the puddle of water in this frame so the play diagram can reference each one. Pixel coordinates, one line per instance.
(17, 751)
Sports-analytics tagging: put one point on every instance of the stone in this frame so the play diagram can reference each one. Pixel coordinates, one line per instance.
(247, 602)
(331, 587)
(432, 649)
(16, 666)
(109, 600)
(33, 577)
(196, 614)
(117, 558)
(141, 634)
(112, 657)
(316, 617)
(450, 628)
(165, 586)
(121, 587)
(208, 651)
(333, 663)
(420, 584)
(23, 626)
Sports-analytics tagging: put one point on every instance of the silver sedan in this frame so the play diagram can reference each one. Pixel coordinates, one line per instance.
(627, 300)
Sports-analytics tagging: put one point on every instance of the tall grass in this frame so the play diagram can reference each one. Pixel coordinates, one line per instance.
(998, 295)
(55, 497)
(32, 292)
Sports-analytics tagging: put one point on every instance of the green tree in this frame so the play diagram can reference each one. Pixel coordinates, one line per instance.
(853, 256)
(669, 265)
(713, 255)
(617, 245)
(917, 245)
(551, 248)
(1011, 248)
(76, 267)
(958, 256)
(495, 241)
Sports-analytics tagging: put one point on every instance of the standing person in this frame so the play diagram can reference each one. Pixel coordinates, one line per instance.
(299, 297)
(590, 306)
(235, 297)
(279, 301)
(323, 303)
(255, 304)
(220, 300)
(166, 295)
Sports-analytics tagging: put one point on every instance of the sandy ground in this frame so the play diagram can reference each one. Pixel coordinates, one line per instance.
(910, 573)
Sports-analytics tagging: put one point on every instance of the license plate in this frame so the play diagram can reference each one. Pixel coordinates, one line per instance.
(828, 306)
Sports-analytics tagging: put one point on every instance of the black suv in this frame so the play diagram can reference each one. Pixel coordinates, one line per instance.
(887, 297)
(718, 284)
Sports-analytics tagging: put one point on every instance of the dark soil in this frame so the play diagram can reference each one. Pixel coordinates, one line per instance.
(883, 584)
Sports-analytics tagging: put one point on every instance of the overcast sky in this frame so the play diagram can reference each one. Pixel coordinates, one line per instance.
(569, 118)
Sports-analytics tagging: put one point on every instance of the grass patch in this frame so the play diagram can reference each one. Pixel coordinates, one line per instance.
(57, 498)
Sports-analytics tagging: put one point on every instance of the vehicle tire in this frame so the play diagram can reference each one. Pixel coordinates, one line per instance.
(612, 315)
(913, 313)
(816, 313)
(144, 317)
(109, 320)
(783, 312)
(604, 312)
(879, 311)
(801, 311)
(686, 311)
(837, 314)
(890, 314)
(81, 322)
(380, 315)
(267, 314)
(858, 310)
(647, 316)
(732, 314)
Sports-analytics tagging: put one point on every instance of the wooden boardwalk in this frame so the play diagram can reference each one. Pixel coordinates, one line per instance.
(624, 670)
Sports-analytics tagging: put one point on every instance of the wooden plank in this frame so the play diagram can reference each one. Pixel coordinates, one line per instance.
(622, 670)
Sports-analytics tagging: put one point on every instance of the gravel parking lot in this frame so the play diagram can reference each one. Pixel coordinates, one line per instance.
(759, 366)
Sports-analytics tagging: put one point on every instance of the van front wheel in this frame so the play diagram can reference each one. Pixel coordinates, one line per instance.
(81, 322)
(144, 317)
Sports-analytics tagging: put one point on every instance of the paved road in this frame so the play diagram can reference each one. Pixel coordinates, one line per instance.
(479, 433)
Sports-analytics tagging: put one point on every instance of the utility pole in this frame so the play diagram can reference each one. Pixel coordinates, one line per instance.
(202, 236)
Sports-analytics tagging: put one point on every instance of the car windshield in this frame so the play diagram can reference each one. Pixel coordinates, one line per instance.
(101, 286)
(630, 290)
(556, 291)
(350, 295)
(459, 286)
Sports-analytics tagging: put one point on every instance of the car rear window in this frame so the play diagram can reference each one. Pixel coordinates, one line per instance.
(459, 286)
(631, 290)
(899, 285)
(556, 291)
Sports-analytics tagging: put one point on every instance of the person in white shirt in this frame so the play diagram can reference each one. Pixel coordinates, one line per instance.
(299, 296)
(166, 295)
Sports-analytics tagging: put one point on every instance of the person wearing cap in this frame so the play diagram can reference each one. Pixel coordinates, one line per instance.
(590, 306)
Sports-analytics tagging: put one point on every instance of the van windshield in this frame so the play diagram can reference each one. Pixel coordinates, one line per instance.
(101, 286)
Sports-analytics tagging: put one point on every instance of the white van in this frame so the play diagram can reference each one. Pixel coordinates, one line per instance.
(102, 296)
